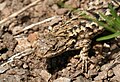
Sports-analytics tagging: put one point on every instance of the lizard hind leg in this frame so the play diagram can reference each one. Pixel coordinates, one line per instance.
(84, 58)
(84, 55)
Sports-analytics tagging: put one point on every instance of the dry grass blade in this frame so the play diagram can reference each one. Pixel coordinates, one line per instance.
(18, 55)
(18, 12)
(35, 24)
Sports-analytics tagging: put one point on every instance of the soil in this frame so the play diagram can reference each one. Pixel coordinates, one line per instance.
(20, 63)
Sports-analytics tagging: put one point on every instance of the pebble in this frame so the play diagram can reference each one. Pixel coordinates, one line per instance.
(115, 79)
(22, 44)
(33, 37)
(118, 40)
(26, 2)
(55, 7)
(25, 66)
(12, 72)
(65, 72)
(114, 46)
(92, 73)
(72, 3)
(6, 11)
(2, 5)
(16, 28)
(110, 73)
(106, 66)
(61, 11)
(3, 69)
(106, 45)
(116, 70)
(4, 56)
(98, 81)
(62, 79)
(81, 79)
(45, 75)
(101, 75)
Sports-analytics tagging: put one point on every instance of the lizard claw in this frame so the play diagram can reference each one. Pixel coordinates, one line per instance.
(84, 65)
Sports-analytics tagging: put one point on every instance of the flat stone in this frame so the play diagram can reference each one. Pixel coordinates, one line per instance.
(116, 70)
(45, 75)
(62, 79)
(81, 79)
(101, 75)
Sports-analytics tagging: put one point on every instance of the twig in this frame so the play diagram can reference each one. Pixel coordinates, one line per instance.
(18, 12)
(35, 24)
(18, 55)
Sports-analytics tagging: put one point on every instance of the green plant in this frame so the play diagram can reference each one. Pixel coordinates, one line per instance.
(110, 22)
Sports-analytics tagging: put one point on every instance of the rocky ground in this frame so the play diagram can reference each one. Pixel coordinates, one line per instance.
(20, 62)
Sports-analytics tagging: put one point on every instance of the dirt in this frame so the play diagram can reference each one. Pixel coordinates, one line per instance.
(20, 63)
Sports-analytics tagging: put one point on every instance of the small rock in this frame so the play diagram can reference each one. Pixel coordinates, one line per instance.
(49, 2)
(4, 56)
(61, 11)
(110, 73)
(26, 2)
(22, 44)
(73, 61)
(114, 46)
(55, 7)
(62, 79)
(20, 71)
(116, 56)
(65, 72)
(11, 72)
(107, 12)
(92, 73)
(101, 75)
(14, 28)
(19, 63)
(54, 21)
(9, 78)
(2, 5)
(98, 81)
(45, 75)
(106, 45)
(33, 37)
(35, 72)
(3, 69)
(106, 66)
(25, 66)
(118, 40)
(81, 79)
(72, 3)
(115, 79)
(6, 11)
(116, 70)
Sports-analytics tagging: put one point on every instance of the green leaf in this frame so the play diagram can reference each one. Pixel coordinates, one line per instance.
(106, 26)
(118, 19)
(118, 22)
(109, 20)
(108, 36)
(112, 11)
(116, 25)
